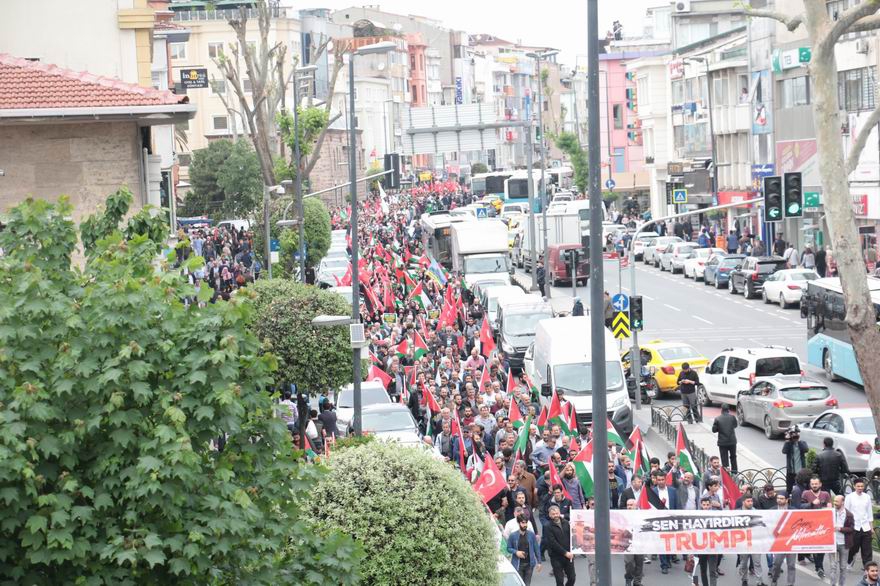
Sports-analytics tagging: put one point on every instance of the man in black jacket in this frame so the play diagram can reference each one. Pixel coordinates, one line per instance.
(830, 465)
(795, 450)
(557, 536)
(725, 426)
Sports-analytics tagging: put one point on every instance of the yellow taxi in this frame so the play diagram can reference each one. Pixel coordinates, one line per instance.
(667, 358)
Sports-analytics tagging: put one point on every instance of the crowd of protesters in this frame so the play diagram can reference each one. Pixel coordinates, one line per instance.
(230, 261)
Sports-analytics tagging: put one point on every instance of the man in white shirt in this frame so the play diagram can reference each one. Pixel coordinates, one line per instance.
(843, 529)
(688, 494)
(859, 504)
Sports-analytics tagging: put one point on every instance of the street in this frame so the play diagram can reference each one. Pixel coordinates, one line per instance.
(678, 309)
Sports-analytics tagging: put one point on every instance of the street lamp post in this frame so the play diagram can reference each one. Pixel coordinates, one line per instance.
(298, 163)
(705, 61)
(382, 47)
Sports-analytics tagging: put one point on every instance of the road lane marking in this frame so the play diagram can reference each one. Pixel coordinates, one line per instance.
(671, 307)
(703, 320)
(649, 298)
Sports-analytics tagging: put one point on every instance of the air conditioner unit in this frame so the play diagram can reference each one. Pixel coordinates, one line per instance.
(862, 46)
(683, 5)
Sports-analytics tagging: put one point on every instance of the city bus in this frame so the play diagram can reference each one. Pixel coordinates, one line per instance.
(828, 341)
(489, 183)
(516, 188)
(436, 235)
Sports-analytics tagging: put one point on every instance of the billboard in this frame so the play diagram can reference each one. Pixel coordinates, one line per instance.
(449, 129)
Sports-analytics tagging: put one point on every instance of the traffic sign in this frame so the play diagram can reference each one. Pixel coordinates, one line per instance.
(679, 196)
(620, 325)
(482, 213)
(610, 184)
(620, 302)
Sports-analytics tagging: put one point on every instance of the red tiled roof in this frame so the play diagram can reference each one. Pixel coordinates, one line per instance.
(31, 84)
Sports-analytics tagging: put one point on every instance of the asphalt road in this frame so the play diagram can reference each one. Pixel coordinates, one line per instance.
(677, 309)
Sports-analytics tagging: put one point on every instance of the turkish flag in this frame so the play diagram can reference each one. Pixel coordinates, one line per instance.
(375, 373)
(491, 481)
(487, 344)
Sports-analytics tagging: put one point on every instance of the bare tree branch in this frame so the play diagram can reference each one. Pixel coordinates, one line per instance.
(855, 151)
(869, 23)
(316, 150)
(790, 22)
(850, 17)
(339, 50)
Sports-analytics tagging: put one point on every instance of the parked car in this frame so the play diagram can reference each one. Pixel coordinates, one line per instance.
(391, 422)
(336, 251)
(372, 393)
(695, 266)
(736, 369)
(667, 358)
(557, 207)
(852, 430)
(563, 196)
(329, 268)
(559, 270)
(643, 240)
(749, 278)
(514, 209)
(787, 286)
(673, 257)
(778, 403)
(717, 270)
(653, 252)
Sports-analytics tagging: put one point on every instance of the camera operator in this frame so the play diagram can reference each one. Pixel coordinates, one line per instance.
(795, 450)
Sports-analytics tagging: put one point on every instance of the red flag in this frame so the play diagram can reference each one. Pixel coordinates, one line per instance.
(431, 402)
(346, 278)
(375, 373)
(515, 416)
(388, 302)
(731, 490)
(645, 503)
(670, 479)
(484, 378)
(511, 383)
(491, 481)
(555, 479)
(574, 447)
(542, 418)
(487, 344)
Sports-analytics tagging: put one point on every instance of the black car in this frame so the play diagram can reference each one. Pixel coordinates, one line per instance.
(749, 278)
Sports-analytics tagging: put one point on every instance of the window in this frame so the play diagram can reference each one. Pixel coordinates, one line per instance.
(736, 365)
(619, 160)
(178, 50)
(220, 122)
(677, 92)
(719, 92)
(218, 86)
(855, 89)
(415, 93)
(215, 50)
(617, 110)
(795, 91)
(717, 366)
(184, 159)
(412, 61)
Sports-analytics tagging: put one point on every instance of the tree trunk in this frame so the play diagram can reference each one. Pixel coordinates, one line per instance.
(861, 318)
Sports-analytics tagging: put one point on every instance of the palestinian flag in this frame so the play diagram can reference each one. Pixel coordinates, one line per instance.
(572, 419)
(515, 416)
(533, 389)
(613, 436)
(583, 468)
(421, 348)
(542, 419)
(402, 349)
(462, 456)
(431, 407)
(641, 463)
(683, 454)
(309, 450)
(522, 440)
(374, 359)
(556, 415)
(556, 479)
(419, 296)
(511, 383)
(645, 502)
(574, 447)
(410, 284)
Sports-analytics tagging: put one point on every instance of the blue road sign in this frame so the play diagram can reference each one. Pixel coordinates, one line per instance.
(610, 184)
(679, 196)
(482, 213)
(620, 302)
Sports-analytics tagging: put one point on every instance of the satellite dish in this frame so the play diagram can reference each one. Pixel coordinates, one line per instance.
(380, 66)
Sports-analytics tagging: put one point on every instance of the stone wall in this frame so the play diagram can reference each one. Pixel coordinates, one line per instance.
(332, 168)
(86, 161)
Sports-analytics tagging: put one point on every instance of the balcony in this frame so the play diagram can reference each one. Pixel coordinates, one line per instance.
(732, 119)
(224, 14)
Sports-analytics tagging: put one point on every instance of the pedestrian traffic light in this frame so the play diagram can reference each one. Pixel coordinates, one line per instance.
(392, 163)
(636, 319)
(794, 195)
(773, 198)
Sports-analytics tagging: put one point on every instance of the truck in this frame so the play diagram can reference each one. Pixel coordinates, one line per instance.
(561, 229)
(479, 251)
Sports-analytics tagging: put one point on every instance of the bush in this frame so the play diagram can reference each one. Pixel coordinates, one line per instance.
(477, 168)
(317, 231)
(417, 518)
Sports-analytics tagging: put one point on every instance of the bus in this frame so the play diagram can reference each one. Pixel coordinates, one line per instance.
(489, 183)
(436, 236)
(516, 188)
(828, 341)
(559, 178)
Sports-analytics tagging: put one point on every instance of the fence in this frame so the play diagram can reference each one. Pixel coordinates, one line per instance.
(225, 14)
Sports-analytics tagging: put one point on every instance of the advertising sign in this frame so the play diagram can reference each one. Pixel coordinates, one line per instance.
(799, 155)
(708, 532)
(194, 78)
(761, 97)
(459, 91)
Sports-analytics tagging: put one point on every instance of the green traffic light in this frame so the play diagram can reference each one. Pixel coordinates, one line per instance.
(794, 208)
(774, 213)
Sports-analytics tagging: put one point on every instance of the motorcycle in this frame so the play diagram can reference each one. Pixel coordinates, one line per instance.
(647, 384)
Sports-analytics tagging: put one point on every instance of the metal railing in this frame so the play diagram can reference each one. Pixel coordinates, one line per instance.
(665, 418)
(225, 14)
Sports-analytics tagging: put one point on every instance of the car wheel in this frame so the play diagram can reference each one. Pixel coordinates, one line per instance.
(740, 418)
(730, 286)
(764, 296)
(685, 274)
(749, 292)
(657, 264)
(717, 283)
(768, 429)
(828, 365)
(703, 397)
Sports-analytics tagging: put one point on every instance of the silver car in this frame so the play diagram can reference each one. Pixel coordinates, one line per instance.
(778, 403)
(673, 258)
(852, 430)
(652, 253)
(392, 422)
(372, 393)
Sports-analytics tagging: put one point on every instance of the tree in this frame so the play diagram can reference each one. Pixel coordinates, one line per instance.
(479, 168)
(317, 232)
(418, 519)
(112, 393)
(835, 169)
(315, 359)
(568, 143)
(226, 181)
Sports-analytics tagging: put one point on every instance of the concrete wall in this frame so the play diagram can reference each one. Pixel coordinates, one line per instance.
(87, 162)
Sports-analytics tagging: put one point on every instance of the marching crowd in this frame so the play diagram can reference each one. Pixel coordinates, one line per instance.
(230, 261)
(438, 357)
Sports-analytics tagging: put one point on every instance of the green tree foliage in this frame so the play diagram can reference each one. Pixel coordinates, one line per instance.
(317, 231)
(479, 168)
(312, 120)
(111, 392)
(316, 359)
(568, 143)
(226, 181)
(418, 519)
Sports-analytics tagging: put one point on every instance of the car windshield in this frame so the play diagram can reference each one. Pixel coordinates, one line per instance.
(730, 262)
(678, 353)
(777, 365)
(769, 267)
(704, 252)
(334, 263)
(803, 276)
(576, 379)
(388, 421)
(486, 264)
(864, 425)
(522, 324)
(805, 393)
(368, 397)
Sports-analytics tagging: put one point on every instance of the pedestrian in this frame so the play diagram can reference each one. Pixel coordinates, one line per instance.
(557, 536)
(779, 245)
(859, 504)
(872, 575)
(816, 498)
(791, 257)
(523, 547)
(830, 465)
(609, 311)
(808, 260)
(732, 242)
(328, 419)
(843, 540)
(821, 261)
(578, 307)
(783, 558)
(541, 277)
(795, 450)
(749, 562)
(633, 564)
(725, 426)
(688, 381)
(667, 498)
(708, 562)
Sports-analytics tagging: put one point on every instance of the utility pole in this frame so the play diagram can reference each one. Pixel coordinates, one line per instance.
(597, 302)
(533, 256)
(298, 184)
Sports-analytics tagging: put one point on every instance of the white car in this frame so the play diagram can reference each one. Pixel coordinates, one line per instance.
(642, 240)
(339, 237)
(736, 369)
(557, 207)
(656, 248)
(563, 196)
(785, 287)
(673, 260)
(336, 252)
(330, 268)
(514, 209)
(853, 432)
(392, 422)
(372, 393)
(696, 265)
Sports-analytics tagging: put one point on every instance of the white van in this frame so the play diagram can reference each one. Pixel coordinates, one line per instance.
(489, 299)
(560, 359)
(235, 225)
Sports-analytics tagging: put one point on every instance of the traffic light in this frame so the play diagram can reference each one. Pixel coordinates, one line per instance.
(773, 198)
(636, 319)
(794, 195)
(392, 163)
